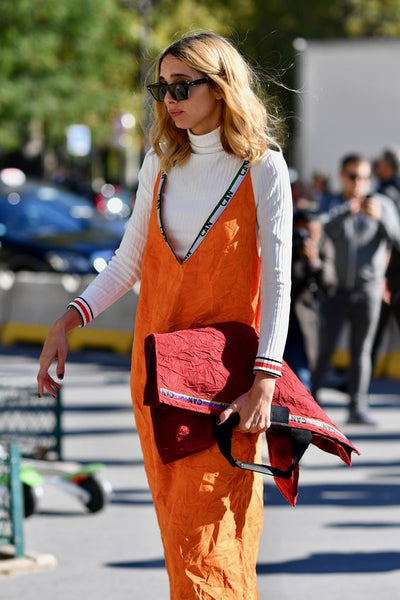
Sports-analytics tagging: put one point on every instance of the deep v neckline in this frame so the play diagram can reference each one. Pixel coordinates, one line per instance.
(211, 219)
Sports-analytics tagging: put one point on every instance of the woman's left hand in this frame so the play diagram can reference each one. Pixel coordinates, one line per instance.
(253, 407)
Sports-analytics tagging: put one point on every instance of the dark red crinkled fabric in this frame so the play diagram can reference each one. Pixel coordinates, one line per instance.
(203, 367)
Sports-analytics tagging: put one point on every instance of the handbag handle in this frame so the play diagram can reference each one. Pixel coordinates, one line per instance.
(301, 439)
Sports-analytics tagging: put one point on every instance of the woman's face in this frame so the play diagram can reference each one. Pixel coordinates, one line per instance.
(201, 112)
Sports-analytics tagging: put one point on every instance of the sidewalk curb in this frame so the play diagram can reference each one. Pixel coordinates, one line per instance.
(30, 563)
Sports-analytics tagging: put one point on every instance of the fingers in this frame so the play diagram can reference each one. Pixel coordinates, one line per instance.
(55, 348)
(45, 382)
(372, 208)
(228, 412)
(253, 407)
(253, 426)
(253, 423)
(61, 358)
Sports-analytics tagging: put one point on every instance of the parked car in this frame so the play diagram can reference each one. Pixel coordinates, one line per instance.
(46, 228)
(114, 202)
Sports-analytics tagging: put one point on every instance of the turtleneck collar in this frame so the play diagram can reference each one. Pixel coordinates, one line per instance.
(209, 143)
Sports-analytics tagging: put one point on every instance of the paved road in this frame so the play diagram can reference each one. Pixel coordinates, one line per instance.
(342, 541)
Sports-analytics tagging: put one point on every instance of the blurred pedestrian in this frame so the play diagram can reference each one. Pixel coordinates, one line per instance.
(313, 276)
(362, 229)
(319, 189)
(213, 213)
(386, 170)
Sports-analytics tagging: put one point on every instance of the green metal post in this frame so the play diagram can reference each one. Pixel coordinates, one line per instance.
(59, 431)
(16, 500)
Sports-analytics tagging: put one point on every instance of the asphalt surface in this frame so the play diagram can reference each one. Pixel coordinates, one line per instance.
(342, 541)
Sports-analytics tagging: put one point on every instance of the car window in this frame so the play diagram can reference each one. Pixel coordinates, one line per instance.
(27, 217)
(75, 205)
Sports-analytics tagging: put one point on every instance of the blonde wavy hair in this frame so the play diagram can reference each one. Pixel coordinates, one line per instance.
(247, 130)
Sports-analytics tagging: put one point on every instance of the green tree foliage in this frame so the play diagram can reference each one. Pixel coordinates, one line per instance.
(371, 18)
(85, 61)
(64, 62)
(82, 61)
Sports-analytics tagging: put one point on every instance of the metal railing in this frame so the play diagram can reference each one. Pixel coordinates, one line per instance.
(11, 500)
(31, 422)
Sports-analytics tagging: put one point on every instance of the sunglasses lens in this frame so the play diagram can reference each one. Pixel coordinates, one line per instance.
(158, 91)
(356, 176)
(162, 91)
(181, 91)
(155, 91)
(178, 90)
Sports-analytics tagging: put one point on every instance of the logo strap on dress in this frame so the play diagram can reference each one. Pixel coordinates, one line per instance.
(213, 217)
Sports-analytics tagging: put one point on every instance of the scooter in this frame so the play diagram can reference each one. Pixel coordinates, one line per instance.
(76, 480)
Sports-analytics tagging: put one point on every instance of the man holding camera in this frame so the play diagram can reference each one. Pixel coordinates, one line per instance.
(313, 276)
(362, 229)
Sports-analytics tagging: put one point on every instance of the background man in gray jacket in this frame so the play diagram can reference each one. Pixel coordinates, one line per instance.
(362, 229)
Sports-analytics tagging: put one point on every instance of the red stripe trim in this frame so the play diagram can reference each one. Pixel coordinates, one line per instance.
(267, 365)
(83, 309)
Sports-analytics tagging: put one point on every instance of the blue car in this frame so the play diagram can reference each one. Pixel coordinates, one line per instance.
(46, 228)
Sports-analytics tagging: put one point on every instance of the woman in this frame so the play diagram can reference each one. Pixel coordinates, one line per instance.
(212, 195)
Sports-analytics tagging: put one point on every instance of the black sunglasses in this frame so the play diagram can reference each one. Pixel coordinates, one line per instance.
(178, 90)
(355, 176)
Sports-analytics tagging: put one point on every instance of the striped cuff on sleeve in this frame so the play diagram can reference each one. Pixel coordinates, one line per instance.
(268, 365)
(84, 310)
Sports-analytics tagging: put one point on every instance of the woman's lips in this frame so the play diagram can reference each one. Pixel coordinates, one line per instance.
(175, 113)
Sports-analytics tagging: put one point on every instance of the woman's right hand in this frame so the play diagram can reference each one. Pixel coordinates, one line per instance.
(56, 348)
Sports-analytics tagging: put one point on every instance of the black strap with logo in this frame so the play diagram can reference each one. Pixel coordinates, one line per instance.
(300, 438)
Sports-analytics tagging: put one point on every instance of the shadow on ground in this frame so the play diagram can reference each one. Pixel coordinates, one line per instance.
(324, 563)
(329, 494)
(335, 563)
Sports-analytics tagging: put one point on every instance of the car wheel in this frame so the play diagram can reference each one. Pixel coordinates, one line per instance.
(27, 263)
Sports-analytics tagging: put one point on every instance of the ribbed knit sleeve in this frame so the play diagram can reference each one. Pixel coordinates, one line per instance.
(125, 267)
(273, 197)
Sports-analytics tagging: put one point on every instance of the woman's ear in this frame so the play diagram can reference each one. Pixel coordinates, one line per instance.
(216, 90)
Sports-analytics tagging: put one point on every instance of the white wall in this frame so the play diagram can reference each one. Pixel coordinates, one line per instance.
(349, 101)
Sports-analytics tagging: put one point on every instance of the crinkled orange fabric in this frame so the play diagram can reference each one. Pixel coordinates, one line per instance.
(210, 514)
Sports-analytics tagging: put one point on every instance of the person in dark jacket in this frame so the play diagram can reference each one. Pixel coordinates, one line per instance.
(386, 169)
(363, 230)
(313, 276)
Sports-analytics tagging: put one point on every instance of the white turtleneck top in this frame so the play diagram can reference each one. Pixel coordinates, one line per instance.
(192, 193)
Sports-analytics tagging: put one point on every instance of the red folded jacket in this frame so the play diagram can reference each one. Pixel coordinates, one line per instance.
(193, 374)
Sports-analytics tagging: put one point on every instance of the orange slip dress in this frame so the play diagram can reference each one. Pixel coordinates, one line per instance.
(210, 514)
